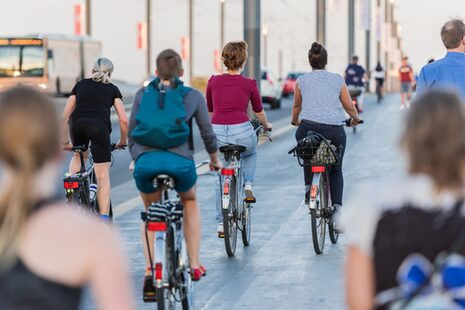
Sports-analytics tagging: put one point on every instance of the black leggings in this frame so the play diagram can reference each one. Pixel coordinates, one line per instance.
(338, 137)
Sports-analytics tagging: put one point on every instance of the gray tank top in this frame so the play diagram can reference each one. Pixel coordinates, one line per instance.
(321, 91)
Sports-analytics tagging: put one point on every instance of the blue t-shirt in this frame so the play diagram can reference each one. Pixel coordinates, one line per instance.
(354, 75)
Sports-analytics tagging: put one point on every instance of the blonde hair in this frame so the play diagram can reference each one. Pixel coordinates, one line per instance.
(29, 138)
(103, 68)
(434, 138)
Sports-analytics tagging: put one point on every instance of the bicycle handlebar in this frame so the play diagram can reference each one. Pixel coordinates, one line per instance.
(348, 122)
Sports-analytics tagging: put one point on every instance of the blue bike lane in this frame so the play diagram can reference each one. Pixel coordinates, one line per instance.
(279, 270)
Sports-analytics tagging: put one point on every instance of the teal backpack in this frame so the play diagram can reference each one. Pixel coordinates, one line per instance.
(161, 119)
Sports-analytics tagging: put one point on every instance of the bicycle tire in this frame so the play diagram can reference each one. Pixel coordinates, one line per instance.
(229, 220)
(246, 219)
(164, 295)
(318, 221)
(333, 235)
(186, 288)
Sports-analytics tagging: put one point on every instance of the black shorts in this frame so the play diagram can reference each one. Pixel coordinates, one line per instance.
(380, 82)
(93, 130)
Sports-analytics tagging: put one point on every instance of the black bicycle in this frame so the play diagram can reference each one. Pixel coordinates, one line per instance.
(81, 187)
(316, 153)
(170, 269)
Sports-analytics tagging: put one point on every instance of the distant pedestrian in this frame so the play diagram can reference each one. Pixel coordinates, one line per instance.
(406, 79)
(431, 60)
(406, 236)
(448, 72)
(379, 75)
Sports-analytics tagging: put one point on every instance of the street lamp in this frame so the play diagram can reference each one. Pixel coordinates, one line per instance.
(265, 44)
(222, 4)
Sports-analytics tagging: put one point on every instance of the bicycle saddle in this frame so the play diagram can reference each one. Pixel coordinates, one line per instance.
(79, 148)
(232, 148)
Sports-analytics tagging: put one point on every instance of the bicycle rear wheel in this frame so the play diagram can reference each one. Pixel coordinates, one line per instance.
(165, 298)
(230, 219)
(317, 218)
(186, 285)
(246, 223)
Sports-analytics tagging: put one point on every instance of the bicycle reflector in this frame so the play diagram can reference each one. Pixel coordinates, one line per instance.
(318, 169)
(227, 171)
(313, 191)
(156, 226)
(71, 184)
(158, 271)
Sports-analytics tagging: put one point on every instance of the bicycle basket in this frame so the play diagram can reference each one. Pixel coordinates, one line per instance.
(316, 152)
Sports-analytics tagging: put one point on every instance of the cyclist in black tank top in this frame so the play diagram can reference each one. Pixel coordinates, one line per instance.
(48, 250)
(21, 288)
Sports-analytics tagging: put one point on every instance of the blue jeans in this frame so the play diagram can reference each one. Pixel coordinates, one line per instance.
(241, 134)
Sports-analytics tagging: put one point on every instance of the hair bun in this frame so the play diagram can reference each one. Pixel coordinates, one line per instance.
(316, 48)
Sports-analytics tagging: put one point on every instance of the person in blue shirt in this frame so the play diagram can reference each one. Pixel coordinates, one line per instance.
(355, 78)
(448, 72)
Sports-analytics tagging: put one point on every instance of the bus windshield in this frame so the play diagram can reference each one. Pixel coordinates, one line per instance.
(22, 60)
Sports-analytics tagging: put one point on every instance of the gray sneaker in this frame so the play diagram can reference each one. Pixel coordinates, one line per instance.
(336, 218)
(248, 190)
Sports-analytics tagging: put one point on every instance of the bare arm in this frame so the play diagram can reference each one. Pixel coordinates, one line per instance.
(359, 280)
(123, 121)
(346, 100)
(69, 108)
(297, 106)
(261, 116)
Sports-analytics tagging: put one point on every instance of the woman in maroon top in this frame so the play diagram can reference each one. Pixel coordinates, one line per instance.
(228, 97)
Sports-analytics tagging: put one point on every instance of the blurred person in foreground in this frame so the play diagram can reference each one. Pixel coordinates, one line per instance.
(48, 251)
(448, 72)
(405, 232)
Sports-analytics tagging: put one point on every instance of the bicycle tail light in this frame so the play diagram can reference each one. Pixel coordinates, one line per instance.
(71, 184)
(157, 226)
(318, 169)
(313, 191)
(158, 271)
(227, 171)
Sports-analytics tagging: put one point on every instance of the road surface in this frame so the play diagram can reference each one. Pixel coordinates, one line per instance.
(279, 270)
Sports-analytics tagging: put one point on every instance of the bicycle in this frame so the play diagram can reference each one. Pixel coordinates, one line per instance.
(170, 265)
(236, 208)
(79, 186)
(354, 94)
(317, 153)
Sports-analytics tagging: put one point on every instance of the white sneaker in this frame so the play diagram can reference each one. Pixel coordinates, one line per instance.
(402, 107)
(220, 231)
(248, 190)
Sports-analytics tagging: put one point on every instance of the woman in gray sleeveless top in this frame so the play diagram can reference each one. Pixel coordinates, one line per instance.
(320, 99)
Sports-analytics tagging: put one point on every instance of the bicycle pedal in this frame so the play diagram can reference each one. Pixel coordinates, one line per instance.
(250, 200)
(150, 298)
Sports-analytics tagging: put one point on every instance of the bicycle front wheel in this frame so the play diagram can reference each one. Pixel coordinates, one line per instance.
(246, 224)
(230, 219)
(320, 203)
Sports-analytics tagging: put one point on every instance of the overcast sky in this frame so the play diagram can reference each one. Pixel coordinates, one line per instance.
(291, 27)
(421, 26)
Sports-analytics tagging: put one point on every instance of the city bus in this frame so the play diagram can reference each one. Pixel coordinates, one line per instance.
(50, 63)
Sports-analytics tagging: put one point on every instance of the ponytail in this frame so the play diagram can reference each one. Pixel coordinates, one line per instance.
(29, 139)
(103, 68)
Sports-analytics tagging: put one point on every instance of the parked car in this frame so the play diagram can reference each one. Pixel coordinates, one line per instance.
(289, 83)
(270, 89)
